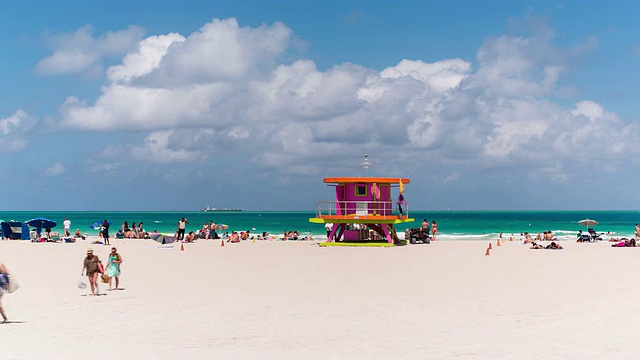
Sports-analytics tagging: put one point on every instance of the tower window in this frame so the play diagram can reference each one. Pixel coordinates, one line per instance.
(361, 190)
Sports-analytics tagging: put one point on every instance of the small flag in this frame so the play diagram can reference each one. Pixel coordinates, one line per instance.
(375, 191)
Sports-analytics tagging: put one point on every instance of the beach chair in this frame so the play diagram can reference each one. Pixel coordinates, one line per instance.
(593, 234)
(585, 238)
(55, 236)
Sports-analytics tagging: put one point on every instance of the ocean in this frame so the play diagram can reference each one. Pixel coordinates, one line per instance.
(470, 225)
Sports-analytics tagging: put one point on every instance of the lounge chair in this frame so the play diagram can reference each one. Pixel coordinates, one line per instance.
(585, 238)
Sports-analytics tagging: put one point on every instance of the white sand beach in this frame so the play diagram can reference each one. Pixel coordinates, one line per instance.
(295, 300)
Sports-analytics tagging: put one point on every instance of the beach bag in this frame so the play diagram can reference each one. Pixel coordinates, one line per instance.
(100, 268)
(105, 278)
(13, 284)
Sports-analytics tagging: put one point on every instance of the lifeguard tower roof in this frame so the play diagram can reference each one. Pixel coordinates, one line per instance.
(367, 180)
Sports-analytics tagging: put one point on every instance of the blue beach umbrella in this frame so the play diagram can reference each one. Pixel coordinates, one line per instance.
(163, 239)
(98, 224)
(40, 223)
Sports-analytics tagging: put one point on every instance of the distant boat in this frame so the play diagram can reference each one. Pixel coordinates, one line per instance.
(223, 209)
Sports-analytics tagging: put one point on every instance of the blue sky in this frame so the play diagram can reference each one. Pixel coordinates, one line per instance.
(169, 105)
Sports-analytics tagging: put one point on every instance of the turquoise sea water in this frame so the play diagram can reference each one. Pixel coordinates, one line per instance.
(472, 225)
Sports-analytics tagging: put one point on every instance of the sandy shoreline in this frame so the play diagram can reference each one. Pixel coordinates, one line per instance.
(292, 300)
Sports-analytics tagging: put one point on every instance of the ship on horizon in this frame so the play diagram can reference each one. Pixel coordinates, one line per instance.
(223, 209)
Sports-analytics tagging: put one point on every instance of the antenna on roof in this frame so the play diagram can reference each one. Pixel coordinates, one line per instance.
(366, 164)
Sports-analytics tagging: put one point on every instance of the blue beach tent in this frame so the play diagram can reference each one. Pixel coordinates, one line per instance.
(15, 230)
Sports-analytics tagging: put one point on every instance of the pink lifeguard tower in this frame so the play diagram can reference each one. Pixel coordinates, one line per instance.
(364, 212)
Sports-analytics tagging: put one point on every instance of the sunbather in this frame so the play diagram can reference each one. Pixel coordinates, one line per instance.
(78, 234)
(234, 238)
(548, 235)
(552, 246)
(626, 243)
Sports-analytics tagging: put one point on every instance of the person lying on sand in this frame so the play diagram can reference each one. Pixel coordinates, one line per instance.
(626, 243)
(552, 246)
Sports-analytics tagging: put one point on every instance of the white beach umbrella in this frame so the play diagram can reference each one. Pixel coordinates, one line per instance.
(588, 222)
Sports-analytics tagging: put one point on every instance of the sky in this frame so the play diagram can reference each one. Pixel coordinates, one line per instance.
(178, 105)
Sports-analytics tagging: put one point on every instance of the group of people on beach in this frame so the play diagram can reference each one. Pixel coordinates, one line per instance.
(208, 231)
(135, 231)
(582, 237)
(430, 228)
(93, 267)
(544, 236)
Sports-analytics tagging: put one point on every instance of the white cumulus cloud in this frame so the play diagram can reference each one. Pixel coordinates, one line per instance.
(15, 131)
(156, 148)
(55, 170)
(226, 87)
(79, 52)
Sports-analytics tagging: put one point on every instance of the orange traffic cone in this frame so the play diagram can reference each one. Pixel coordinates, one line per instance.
(490, 247)
(222, 243)
(488, 252)
(498, 244)
(181, 247)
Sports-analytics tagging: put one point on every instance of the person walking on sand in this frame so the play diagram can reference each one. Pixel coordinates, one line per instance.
(113, 269)
(105, 231)
(91, 267)
(182, 225)
(4, 287)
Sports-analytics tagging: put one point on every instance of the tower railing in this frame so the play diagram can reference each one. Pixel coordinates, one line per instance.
(362, 208)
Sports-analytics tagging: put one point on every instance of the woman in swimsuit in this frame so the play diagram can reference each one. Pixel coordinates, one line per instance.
(434, 230)
(113, 269)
